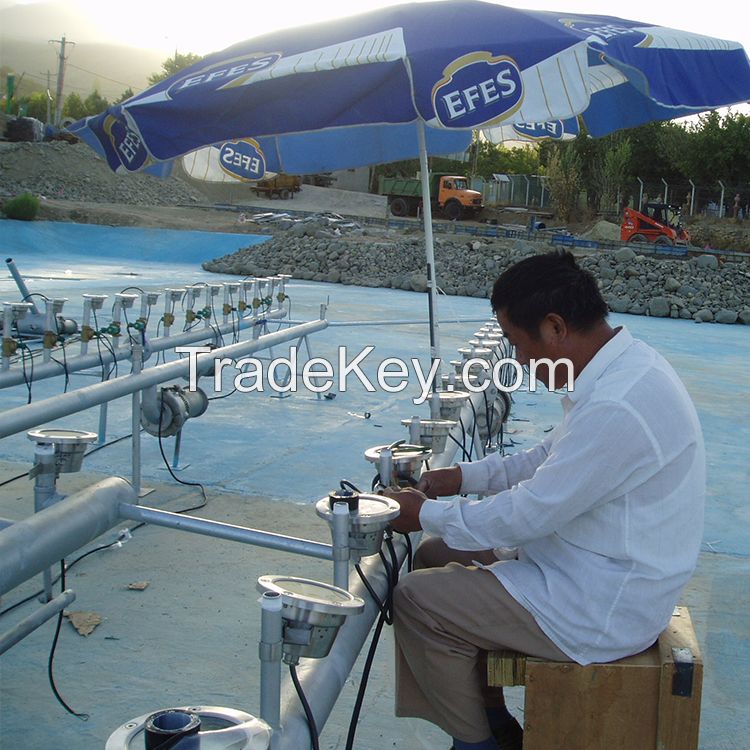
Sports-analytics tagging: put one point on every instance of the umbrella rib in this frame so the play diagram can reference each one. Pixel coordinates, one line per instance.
(565, 85)
(544, 92)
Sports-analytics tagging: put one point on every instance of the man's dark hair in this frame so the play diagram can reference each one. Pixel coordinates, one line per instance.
(551, 283)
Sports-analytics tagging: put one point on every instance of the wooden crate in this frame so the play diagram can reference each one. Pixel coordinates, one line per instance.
(650, 701)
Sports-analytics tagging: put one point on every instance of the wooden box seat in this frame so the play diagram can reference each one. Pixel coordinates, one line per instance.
(649, 701)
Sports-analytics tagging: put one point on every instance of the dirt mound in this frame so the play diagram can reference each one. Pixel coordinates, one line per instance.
(603, 230)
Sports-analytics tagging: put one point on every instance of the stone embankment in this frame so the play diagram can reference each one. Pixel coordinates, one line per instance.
(698, 288)
(73, 172)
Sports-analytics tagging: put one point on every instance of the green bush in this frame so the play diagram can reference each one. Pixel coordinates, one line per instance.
(23, 207)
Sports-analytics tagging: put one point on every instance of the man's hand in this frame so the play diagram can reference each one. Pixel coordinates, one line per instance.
(440, 482)
(411, 503)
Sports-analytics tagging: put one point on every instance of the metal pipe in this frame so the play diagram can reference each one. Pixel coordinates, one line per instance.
(269, 649)
(30, 415)
(640, 195)
(692, 197)
(345, 323)
(341, 553)
(85, 361)
(432, 306)
(35, 543)
(227, 531)
(21, 284)
(29, 624)
(323, 679)
(135, 423)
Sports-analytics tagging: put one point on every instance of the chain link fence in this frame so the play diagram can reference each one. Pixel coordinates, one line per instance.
(531, 191)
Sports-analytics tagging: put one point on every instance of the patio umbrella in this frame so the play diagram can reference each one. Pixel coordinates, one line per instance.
(412, 80)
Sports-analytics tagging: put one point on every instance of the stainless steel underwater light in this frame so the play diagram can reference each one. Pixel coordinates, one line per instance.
(431, 433)
(192, 727)
(369, 515)
(69, 446)
(406, 460)
(312, 613)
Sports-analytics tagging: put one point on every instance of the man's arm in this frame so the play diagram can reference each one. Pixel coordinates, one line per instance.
(602, 453)
(496, 473)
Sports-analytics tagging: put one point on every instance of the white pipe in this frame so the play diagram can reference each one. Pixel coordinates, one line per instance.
(38, 412)
(429, 249)
(269, 648)
(340, 536)
(692, 197)
(640, 195)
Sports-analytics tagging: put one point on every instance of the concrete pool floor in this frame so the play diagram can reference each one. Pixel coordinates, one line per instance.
(191, 635)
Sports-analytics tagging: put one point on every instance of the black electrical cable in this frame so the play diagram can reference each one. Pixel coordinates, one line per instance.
(346, 484)
(98, 342)
(50, 675)
(488, 416)
(13, 479)
(363, 682)
(65, 358)
(386, 617)
(306, 707)
(28, 377)
(174, 476)
(473, 430)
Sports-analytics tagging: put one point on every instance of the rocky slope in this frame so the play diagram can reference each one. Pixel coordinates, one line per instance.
(698, 288)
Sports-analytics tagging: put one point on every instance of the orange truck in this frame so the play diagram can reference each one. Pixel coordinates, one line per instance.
(448, 193)
(658, 223)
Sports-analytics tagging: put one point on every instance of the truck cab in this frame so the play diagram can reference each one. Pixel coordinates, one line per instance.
(448, 193)
(456, 199)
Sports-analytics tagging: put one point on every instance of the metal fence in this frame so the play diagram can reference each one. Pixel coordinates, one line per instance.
(532, 191)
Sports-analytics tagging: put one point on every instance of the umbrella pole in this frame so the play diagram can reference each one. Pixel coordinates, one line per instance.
(430, 252)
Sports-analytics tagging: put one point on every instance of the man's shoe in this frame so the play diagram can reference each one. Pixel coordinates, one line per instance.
(509, 736)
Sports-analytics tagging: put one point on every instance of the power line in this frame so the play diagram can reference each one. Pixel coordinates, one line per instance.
(99, 75)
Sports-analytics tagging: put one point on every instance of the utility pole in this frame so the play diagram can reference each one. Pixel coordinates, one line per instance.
(49, 99)
(60, 78)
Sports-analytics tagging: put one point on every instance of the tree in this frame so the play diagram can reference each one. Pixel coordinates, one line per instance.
(95, 103)
(493, 158)
(36, 105)
(127, 94)
(173, 65)
(74, 107)
(564, 180)
(615, 172)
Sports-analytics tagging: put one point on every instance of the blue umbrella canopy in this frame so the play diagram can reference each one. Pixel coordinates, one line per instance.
(416, 79)
(350, 93)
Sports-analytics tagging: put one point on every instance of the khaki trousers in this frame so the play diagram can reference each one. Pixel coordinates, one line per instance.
(447, 615)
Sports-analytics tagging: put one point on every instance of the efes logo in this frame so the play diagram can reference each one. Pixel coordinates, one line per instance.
(598, 28)
(537, 131)
(217, 75)
(243, 159)
(125, 140)
(477, 89)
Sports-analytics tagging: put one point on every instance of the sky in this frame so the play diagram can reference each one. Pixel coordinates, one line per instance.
(166, 25)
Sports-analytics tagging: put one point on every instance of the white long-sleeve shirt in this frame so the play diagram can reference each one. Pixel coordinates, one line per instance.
(607, 512)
